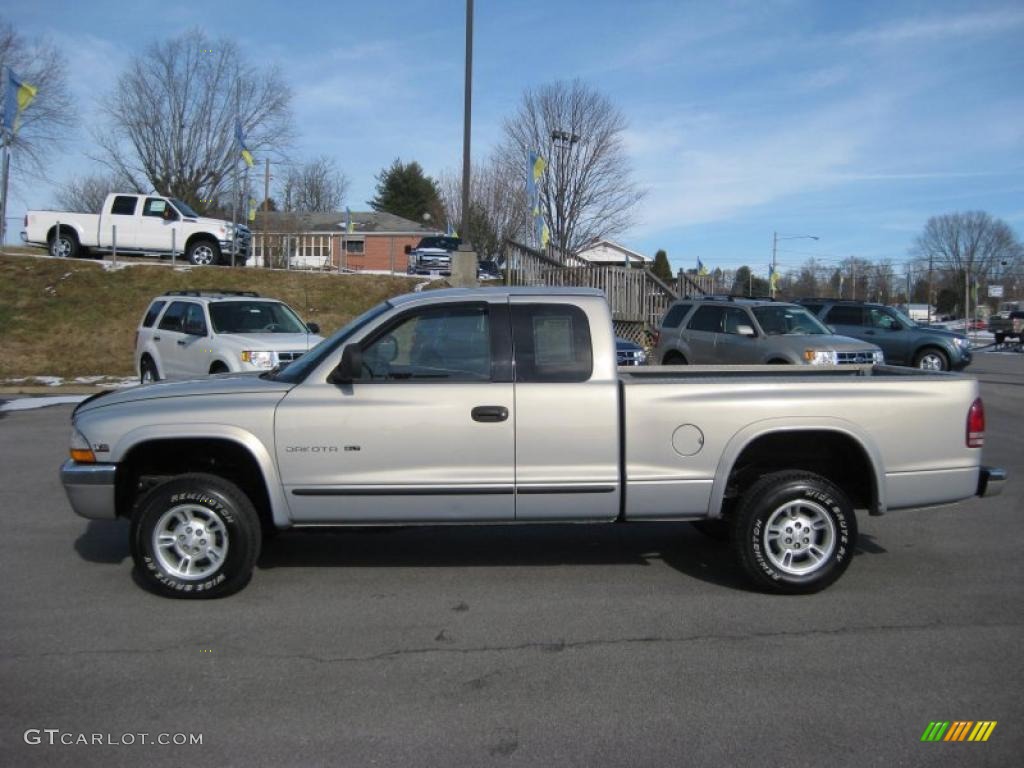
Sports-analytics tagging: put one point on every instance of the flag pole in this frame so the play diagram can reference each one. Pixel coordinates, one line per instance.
(234, 175)
(6, 178)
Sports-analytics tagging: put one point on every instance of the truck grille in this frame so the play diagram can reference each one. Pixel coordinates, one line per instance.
(856, 358)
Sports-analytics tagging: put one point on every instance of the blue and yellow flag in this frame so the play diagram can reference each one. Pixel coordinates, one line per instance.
(240, 138)
(252, 209)
(701, 269)
(349, 225)
(773, 278)
(17, 96)
(451, 231)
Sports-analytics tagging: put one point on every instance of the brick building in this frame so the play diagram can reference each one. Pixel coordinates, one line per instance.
(319, 241)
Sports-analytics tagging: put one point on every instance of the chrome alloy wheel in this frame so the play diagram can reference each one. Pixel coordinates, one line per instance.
(202, 254)
(190, 541)
(61, 247)
(799, 537)
(931, 361)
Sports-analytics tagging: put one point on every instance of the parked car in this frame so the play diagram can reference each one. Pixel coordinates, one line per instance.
(432, 255)
(505, 406)
(903, 341)
(1007, 322)
(185, 334)
(144, 224)
(629, 352)
(730, 330)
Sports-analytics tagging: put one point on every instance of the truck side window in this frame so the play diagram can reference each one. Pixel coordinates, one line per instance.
(151, 315)
(840, 315)
(450, 343)
(155, 207)
(173, 317)
(675, 316)
(124, 205)
(707, 318)
(552, 343)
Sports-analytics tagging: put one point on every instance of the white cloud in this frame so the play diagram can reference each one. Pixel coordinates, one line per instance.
(939, 27)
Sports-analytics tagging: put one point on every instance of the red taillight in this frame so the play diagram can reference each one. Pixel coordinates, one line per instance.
(976, 425)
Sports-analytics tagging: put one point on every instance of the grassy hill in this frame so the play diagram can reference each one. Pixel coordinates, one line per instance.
(72, 318)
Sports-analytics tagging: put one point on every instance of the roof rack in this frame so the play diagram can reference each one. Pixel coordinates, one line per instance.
(733, 297)
(212, 292)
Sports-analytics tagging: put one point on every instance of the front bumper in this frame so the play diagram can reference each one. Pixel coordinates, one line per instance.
(991, 481)
(90, 489)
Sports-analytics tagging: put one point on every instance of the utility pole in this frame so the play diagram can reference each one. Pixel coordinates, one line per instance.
(234, 168)
(771, 283)
(931, 259)
(266, 208)
(464, 260)
(853, 278)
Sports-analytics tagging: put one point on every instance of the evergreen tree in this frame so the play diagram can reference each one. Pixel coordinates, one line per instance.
(662, 269)
(405, 190)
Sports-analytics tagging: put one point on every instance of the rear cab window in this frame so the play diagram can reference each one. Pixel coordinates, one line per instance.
(124, 205)
(552, 343)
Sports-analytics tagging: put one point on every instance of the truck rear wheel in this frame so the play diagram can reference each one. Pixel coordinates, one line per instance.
(66, 246)
(794, 532)
(196, 536)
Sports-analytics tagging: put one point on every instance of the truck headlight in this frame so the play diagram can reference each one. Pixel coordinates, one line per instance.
(261, 358)
(821, 357)
(80, 449)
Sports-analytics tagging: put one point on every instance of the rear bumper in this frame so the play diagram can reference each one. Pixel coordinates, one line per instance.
(90, 489)
(991, 481)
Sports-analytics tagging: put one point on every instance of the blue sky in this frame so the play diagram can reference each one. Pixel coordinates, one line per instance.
(852, 121)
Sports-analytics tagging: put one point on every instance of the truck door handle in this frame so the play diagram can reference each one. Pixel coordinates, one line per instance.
(156, 338)
(490, 413)
(181, 342)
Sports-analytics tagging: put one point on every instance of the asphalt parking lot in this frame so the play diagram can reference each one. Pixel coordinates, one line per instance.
(537, 646)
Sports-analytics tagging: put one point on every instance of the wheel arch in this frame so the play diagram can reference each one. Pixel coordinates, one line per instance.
(833, 448)
(228, 452)
(75, 228)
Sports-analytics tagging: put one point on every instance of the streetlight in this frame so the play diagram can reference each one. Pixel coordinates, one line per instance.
(563, 139)
(775, 241)
(464, 260)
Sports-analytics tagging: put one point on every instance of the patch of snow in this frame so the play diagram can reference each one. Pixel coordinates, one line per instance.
(31, 403)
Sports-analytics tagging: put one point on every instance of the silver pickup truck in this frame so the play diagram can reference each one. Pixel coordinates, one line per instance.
(506, 406)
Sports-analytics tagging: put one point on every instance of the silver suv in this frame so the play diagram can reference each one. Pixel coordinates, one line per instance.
(728, 330)
(187, 334)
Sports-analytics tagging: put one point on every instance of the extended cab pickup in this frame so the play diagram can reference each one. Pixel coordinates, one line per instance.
(139, 224)
(506, 405)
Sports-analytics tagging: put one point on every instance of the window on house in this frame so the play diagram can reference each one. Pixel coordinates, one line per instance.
(355, 246)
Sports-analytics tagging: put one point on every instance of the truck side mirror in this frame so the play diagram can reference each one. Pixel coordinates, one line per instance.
(313, 327)
(351, 366)
(745, 330)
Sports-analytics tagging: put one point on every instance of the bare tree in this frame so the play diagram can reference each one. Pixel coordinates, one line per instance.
(967, 246)
(44, 126)
(585, 191)
(499, 210)
(86, 194)
(316, 187)
(171, 118)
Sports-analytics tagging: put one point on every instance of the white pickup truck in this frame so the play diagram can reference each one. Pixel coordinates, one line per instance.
(139, 224)
(506, 406)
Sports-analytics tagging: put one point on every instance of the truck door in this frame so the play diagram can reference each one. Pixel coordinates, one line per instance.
(426, 434)
(154, 226)
(567, 415)
(121, 215)
(702, 332)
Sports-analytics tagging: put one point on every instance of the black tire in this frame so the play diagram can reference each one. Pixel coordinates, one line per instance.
(777, 538)
(67, 246)
(931, 359)
(148, 373)
(719, 529)
(206, 518)
(674, 358)
(203, 253)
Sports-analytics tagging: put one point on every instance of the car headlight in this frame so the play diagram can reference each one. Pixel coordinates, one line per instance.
(80, 449)
(821, 357)
(878, 357)
(963, 342)
(261, 358)
(641, 357)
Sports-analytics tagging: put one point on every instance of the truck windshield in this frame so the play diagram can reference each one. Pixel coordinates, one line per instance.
(779, 321)
(298, 370)
(255, 317)
(183, 208)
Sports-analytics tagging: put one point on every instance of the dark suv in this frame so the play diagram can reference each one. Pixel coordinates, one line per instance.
(903, 341)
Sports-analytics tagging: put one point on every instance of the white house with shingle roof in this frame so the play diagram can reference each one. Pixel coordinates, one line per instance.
(605, 253)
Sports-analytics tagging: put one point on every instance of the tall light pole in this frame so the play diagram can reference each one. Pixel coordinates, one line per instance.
(464, 261)
(775, 242)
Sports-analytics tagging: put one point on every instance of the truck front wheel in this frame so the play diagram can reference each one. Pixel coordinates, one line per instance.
(794, 532)
(203, 253)
(196, 536)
